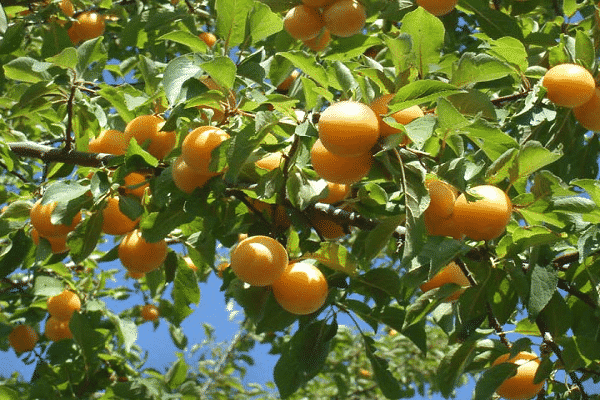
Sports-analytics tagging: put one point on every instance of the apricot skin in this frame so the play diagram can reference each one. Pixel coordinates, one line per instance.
(486, 218)
(338, 169)
(569, 85)
(259, 260)
(520, 386)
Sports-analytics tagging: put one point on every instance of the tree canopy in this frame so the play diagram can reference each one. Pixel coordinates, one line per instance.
(162, 134)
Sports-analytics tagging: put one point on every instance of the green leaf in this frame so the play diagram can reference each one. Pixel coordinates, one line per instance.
(186, 287)
(400, 48)
(15, 252)
(448, 116)
(556, 317)
(116, 99)
(46, 286)
(222, 70)
(584, 49)
(178, 337)
(544, 281)
(492, 378)
(427, 34)
(27, 69)
(308, 65)
(263, 22)
(157, 225)
(453, 365)
(177, 72)
(419, 92)
(232, 16)
(474, 68)
(3, 20)
(490, 139)
(591, 186)
(493, 23)
(186, 38)
(7, 393)
(127, 331)
(386, 382)
(177, 374)
(82, 242)
(303, 191)
(510, 50)
(379, 283)
(378, 238)
(589, 242)
(91, 57)
(65, 59)
(416, 196)
(12, 37)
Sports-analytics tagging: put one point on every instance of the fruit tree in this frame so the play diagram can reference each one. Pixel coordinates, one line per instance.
(337, 155)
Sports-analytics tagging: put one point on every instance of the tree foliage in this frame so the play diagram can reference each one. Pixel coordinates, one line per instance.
(477, 74)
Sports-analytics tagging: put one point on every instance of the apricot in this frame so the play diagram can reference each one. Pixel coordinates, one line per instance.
(259, 260)
(57, 329)
(326, 225)
(442, 196)
(443, 226)
(348, 128)
(520, 386)
(270, 161)
(148, 128)
(23, 338)
(338, 169)
(303, 22)
(336, 192)
(221, 268)
(301, 289)
(569, 85)
(345, 18)
(286, 84)
(138, 255)
(58, 244)
(438, 7)
(63, 305)
(485, 218)
(317, 3)
(319, 42)
(588, 114)
(208, 38)
(67, 7)
(110, 142)
(89, 25)
(41, 214)
(150, 312)
(451, 273)
(135, 184)
(114, 222)
(136, 275)
(187, 179)
(198, 145)
(380, 107)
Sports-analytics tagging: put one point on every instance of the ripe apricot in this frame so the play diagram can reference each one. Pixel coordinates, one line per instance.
(319, 42)
(303, 22)
(89, 25)
(438, 7)
(348, 128)
(285, 85)
(442, 226)
(569, 85)
(270, 161)
(150, 312)
(41, 214)
(221, 268)
(198, 145)
(451, 273)
(520, 386)
(57, 329)
(208, 38)
(588, 114)
(136, 275)
(301, 289)
(338, 169)
(187, 179)
(63, 305)
(58, 244)
(345, 18)
(114, 222)
(380, 107)
(67, 7)
(442, 196)
(326, 225)
(259, 260)
(485, 218)
(134, 184)
(336, 192)
(111, 142)
(148, 128)
(23, 338)
(138, 255)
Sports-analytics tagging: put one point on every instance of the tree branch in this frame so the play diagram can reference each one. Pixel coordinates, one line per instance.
(566, 286)
(51, 154)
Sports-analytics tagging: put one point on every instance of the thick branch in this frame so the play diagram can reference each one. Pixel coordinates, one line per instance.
(566, 286)
(52, 154)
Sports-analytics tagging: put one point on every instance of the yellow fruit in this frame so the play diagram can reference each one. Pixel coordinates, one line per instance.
(134, 184)
(442, 196)
(451, 273)
(150, 312)
(588, 114)
(57, 329)
(301, 289)
(67, 7)
(41, 220)
(198, 145)
(136, 275)
(520, 386)
(259, 260)
(319, 42)
(486, 218)
(380, 107)
(89, 25)
(147, 128)
(110, 142)
(438, 7)
(58, 244)
(23, 338)
(303, 22)
(63, 305)
(114, 222)
(348, 128)
(569, 85)
(336, 193)
(208, 38)
(338, 169)
(138, 255)
(345, 18)
(270, 161)
(187, 179)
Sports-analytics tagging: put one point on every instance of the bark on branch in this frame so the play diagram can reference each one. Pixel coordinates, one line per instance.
(52, 154)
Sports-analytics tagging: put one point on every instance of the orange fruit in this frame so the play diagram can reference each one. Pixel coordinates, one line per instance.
(303, 22)
(520, 386)
(438, 7)
(345, 18)
(148, 128)
(150, 312)
(221, 268)
(41, 220)
(380, 107)
(338, 169)
(443, 226)
(138, 255)
(57, 329)
(187, 179)
(63, 305)
(134, 184)
(198, 145)
(208, 38)
(588, 114)
(336, 192)
(136, 275)
(319, 42)
(451, 273)
(442, 196)
(485, 218)
(270, 161)
(326, 226)
(110, 142)
(285, 85)
(114, 222)
(23, 338)
(58, 244)
(348, 128)
(301, 289)
(89, 25)
(259, 260)
(67, 7)
(569, 85)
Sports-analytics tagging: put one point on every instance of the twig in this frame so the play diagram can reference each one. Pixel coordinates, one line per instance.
(15, 173)
(566, 286)
(510, 97)
(51, 154)
(496, 325)
(68, 138)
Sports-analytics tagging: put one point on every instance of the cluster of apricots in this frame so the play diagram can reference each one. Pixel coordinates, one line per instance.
(314, 21)
(484, 216)
(61, 308)
(299, 287)
(573, 86)
(85, 25)
(348, 130)
(43, 227)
